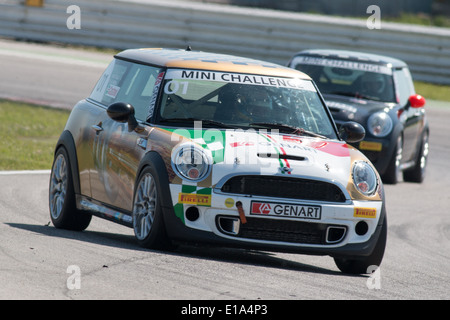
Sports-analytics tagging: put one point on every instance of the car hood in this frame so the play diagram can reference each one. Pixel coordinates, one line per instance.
(240, 152)
(345, 108)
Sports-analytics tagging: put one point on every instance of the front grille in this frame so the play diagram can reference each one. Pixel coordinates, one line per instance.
(288, 231)
(284, 187)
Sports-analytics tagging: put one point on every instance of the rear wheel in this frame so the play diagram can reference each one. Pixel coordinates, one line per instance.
(63, 211)
(148, 221)
(361, 265)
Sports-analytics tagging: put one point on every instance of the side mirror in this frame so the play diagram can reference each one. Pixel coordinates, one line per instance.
(416, 101)
(352, 132)
(123, 112)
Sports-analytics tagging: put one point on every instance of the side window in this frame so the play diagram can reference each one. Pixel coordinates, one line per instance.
(404, 86)
(128, 82)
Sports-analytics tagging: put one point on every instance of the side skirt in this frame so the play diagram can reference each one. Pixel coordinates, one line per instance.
(98, 209)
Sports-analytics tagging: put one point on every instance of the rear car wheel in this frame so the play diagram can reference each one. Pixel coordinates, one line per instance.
(361, 265)
(417, 173)
(63, 211)
(148, 221)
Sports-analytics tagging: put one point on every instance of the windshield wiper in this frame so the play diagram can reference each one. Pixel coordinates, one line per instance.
(292, 129)
(203, 121)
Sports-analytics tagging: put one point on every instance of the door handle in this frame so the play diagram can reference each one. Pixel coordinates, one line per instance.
(142, 142)
(97, 127)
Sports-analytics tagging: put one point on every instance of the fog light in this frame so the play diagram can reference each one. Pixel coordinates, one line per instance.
(192, 213)
(361, 228)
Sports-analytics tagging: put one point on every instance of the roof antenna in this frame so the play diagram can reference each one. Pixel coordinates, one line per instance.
(188, 48)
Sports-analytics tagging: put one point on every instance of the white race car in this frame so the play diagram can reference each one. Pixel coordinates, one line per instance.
(201, 147)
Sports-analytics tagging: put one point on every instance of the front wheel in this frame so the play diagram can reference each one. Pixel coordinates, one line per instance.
(63, 211)
(148, 221)
(417, 173)
(393, 171)
(362, 265)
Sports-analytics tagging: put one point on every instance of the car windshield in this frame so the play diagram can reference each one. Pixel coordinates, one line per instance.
(232, 100)
(353, 79)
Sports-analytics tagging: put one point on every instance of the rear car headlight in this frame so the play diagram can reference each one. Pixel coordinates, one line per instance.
(364, 178)
(380, 124)
(191, 162)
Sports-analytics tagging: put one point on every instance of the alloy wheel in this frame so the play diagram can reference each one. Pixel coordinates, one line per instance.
(424, 155)
(398, 158)
(145, 203)
(58, 186)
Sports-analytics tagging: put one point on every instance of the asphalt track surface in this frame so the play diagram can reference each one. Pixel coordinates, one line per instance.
(38, 261)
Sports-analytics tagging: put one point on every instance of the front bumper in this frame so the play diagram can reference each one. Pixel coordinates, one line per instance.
(343, 229)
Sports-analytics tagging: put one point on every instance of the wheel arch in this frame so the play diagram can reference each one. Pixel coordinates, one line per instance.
(155, 160)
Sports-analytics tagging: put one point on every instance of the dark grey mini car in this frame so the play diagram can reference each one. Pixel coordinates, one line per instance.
(378, 92)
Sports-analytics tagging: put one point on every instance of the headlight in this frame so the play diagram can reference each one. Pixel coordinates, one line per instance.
(191, 163)
(380, 124)
(365, 178)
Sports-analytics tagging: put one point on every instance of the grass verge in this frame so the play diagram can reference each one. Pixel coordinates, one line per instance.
(28, 135)
(433, 91)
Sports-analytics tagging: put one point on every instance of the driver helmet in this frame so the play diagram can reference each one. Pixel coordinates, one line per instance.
(256, 102)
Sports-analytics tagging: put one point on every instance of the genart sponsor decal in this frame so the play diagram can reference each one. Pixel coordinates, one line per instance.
(286, 210)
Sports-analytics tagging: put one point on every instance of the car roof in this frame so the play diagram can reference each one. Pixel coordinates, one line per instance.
(177, 58)
(355, 56)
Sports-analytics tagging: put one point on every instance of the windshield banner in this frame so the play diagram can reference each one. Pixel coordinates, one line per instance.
(345, 64)
(239, 78)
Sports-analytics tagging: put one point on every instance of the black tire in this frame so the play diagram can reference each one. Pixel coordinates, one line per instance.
(417, 173)
(62, 206)
(392, 174)
(360, 265)
(148, 222)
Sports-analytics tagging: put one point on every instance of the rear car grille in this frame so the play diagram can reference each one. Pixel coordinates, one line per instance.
(284, 231)
(284, 187)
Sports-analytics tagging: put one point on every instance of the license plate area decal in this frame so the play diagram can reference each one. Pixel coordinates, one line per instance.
(287, 210)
